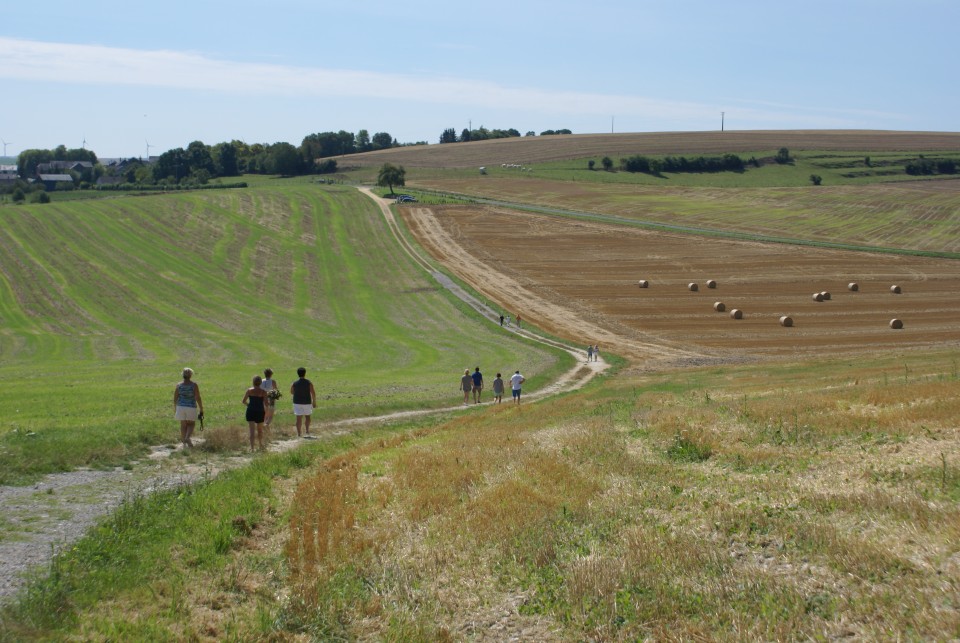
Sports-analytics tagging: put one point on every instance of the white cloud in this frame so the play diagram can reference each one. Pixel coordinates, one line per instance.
(101, 65)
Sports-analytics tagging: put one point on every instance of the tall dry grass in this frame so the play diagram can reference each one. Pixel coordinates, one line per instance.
(711, 504)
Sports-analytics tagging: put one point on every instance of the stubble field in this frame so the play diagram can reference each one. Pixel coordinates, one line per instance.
(580, 280)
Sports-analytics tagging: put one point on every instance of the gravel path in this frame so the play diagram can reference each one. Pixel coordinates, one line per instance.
(39, 521)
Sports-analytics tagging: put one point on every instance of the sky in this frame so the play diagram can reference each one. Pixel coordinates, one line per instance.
(125, 78)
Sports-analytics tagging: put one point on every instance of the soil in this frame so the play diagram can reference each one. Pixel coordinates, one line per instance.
(579, 280)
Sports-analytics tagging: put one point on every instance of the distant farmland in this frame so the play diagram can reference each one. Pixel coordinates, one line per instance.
(541, 149)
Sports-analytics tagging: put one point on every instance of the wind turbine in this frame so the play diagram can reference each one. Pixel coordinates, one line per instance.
(83, 146)
(5, 146)
(148, 148)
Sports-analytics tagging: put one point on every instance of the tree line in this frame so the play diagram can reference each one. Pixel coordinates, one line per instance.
(449, 135)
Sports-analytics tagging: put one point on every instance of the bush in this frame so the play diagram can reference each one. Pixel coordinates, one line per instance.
(18, 196)
(816, 179)
(41, 197)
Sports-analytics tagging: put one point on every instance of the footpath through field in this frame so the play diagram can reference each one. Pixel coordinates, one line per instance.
(40, 520)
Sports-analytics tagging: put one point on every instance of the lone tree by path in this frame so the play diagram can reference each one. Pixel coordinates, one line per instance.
(391, 175)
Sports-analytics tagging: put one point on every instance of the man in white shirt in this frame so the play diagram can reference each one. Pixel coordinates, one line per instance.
(515, 381)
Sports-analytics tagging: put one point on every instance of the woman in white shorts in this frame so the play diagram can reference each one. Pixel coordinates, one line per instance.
(187, 406)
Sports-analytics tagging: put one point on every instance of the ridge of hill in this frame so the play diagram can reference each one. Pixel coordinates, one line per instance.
(540, 149)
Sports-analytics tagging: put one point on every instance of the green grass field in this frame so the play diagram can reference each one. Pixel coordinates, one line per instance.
(103, 302)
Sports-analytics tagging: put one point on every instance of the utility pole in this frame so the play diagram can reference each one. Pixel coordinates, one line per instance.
(611, 124)
(721, 121)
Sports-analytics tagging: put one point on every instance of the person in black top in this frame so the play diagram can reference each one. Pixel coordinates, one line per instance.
(255, 399)
(304, 401)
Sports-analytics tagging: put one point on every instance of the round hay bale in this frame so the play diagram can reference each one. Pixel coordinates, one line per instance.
(736, 313)
(895, 289)
(643, 283)
(719, 306)
(825, 295)
(853, 286)
(711, 283)
(818, 296)
(693, 287)
(786, 321)
(896, 324)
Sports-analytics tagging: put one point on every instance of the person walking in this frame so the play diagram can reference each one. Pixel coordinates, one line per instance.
(501, 320)
(515, 381)
(304, 401)
(466, 385)
(477, 385)
(269, 384)
(255, 400)
(498, 389)
(187, 406)
(589, 352)
(596, 352)
(518, 320)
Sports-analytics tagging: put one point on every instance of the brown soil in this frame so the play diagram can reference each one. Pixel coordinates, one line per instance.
(579, 280)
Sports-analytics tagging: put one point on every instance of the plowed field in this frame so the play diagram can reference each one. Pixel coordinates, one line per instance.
(579, 280)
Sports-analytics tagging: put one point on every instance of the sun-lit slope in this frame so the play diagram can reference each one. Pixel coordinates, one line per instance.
(921, 216)
(102, 303)
(539, 149)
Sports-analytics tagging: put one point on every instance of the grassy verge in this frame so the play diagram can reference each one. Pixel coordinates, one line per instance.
(806, 501)
(195, 560)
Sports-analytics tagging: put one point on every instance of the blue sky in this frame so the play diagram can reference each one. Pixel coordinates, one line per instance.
(120, 75)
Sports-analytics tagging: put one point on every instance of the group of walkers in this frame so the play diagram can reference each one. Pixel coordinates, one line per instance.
(593, 353)
(260, 400)
(473, 383)
(507, 320)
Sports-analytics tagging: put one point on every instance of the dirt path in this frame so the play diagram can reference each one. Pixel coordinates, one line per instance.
(38, 521)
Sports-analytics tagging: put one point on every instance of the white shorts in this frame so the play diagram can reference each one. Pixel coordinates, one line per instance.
(302, 409)
(188, 413)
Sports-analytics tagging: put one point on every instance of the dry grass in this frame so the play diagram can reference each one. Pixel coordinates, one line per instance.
(762, 504)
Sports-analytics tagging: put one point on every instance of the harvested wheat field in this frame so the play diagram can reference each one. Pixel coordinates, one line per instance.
(579, 280)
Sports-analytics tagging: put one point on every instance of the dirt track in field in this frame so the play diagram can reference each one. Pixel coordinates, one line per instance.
(579, 280)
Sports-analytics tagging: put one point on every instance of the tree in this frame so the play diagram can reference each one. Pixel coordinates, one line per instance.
(41, 197)
(449, 135)
(225, 159)
(391, 175)
(590, 164)
(171, 166)
(285, 159)
(783, 156)
(607, 163)
(18, 196)
(382, 140)
(816, 179)
(362, 142)
(199, 159)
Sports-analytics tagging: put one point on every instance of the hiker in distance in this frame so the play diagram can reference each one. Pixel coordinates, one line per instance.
(515, 381)
(304, 401)
(187, 406)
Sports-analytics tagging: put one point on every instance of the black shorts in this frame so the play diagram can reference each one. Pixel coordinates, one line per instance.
(255, 415)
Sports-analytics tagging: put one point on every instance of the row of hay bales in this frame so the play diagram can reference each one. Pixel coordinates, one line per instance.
(785, 320)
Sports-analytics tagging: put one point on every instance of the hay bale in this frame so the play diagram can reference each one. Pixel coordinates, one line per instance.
(719, 306)
(853, 286)
(643, 283)
(896, 324)
(786, 321)
(818, 296)
(711, 283)
(693, 287)
(825, 295)
(895, 289)
(736, 313)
